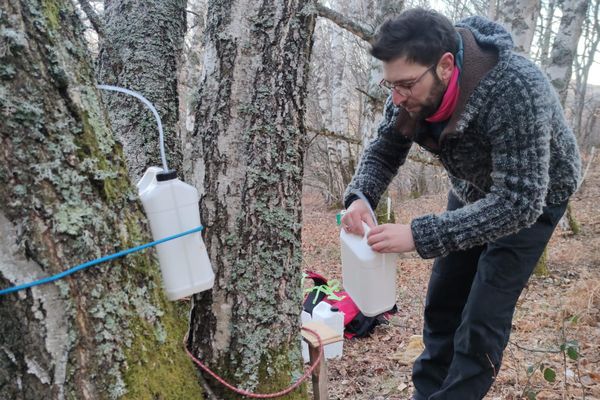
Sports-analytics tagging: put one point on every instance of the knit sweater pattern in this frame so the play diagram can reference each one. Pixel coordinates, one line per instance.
(508, 152)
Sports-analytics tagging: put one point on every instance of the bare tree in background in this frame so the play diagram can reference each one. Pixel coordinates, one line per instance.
(546, 31)
(333, 106)
(564, 47)
(583, 64)
(519, 17)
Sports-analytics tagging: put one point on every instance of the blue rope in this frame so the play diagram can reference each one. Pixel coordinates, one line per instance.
(96, 261)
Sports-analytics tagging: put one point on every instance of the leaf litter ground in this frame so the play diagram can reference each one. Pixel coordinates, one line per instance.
(561, 308)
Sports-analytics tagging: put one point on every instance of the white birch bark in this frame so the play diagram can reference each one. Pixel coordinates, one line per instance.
(247, 159)
(547, 33)
(564, 48)
(66, 199)
(591, 42)
(519, 17)
(141, 51)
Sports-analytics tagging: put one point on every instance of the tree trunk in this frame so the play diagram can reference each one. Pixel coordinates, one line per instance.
(373, 110)
(248, 160)
(337, 150)
(564, 48)
(519, 17)
(541, 268)
(190, 74)
(141, 51)
(492, 11)
(103, 333)
(547, 33)
(592, 40)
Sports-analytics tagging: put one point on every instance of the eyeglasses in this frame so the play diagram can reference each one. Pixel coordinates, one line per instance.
(404, 90)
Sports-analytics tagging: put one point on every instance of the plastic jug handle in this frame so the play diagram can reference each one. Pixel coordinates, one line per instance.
(361, 196)
(148, 178)
(367, 229)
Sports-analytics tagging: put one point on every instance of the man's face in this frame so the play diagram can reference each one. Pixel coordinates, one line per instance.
(426, 88)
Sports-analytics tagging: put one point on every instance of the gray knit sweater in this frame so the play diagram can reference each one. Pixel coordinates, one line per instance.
(507, 148)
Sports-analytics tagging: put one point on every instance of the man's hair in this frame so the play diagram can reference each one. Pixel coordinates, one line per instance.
(419, 35)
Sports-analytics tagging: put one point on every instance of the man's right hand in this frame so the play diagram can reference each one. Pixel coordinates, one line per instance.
(355, 215)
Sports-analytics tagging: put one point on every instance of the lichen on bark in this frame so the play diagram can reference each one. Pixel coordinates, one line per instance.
(247, 149)
(67, 199)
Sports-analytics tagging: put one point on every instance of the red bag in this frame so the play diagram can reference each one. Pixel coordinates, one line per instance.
(355, 323)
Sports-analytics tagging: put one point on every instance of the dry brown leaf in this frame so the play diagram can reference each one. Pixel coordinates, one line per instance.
(408, 355)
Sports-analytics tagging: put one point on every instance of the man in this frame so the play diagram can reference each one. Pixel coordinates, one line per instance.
(497, 126)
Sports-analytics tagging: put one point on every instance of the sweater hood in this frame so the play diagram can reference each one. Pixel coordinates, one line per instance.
(488, 33)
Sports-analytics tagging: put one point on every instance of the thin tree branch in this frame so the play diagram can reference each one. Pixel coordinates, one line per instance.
(334, 135)
(370, 96)
(195, 13)
(199, 19)
(551, 351)
(344, 22)
(93, 16)
(423, 160)
(592, 154)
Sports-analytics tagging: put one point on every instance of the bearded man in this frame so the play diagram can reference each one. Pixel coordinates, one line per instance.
(497, 126)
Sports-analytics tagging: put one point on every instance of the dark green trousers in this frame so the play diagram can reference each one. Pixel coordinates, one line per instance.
(469, 308)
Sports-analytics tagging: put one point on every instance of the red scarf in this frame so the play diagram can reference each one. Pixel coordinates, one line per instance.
(449, 100)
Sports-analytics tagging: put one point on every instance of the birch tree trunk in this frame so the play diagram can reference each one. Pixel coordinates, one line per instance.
(103, 333)
(547, 33)
(492, 11)
(190, 74)
(519, 17)
(337, 155)
(322, 73)
(247, 159)
(564, 48)
(373, 109)
(376, 96)
(591, 42)
(141, 51)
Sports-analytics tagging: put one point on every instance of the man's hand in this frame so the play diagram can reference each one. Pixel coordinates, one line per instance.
(358, 212)
(391, 238)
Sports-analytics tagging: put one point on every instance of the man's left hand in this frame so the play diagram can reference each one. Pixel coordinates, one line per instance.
(391, 238)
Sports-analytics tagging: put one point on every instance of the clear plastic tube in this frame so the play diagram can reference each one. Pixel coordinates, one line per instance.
(151, 107)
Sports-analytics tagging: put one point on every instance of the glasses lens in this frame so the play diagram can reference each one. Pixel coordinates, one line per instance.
(385, 85)
(402, 90)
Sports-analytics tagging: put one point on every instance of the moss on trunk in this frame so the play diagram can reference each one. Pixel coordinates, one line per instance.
(67, 199)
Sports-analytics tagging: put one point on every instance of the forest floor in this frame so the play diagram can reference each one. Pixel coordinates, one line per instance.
(563, 307)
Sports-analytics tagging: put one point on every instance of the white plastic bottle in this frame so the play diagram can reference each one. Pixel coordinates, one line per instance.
(172, 207)
(368, 277)
(333, 318)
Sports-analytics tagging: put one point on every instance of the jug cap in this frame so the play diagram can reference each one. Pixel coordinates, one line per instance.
(166, 175)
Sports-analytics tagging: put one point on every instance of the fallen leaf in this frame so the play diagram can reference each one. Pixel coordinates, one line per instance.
(411, 352)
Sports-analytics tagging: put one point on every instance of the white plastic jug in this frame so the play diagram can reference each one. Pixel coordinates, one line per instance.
(172, 207)
(368, 277)
(333, 318)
